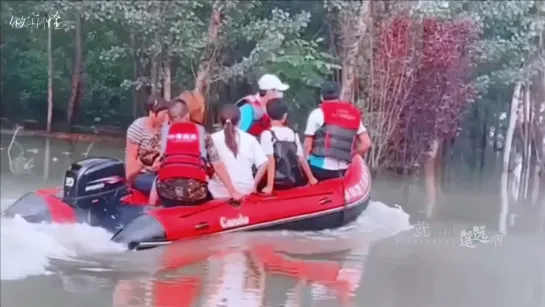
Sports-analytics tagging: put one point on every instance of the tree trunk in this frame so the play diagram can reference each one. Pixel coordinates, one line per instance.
(135, 100)
(430, 178)
(353, 31)
(47, 158)
(77, 86)
(154, 76)
(526, 138)
(506, 156)
(167, 78)
(49, 78)
(484, 145)
(209, 54)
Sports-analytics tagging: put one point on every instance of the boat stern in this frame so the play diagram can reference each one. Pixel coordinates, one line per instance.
(145, 231)
(41, 206)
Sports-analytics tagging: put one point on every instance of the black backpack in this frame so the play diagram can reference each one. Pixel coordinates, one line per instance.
(288, 171)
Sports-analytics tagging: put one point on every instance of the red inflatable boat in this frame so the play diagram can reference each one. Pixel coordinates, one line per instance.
(95, 192)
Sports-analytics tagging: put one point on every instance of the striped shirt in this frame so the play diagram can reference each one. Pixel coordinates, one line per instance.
(139, 134)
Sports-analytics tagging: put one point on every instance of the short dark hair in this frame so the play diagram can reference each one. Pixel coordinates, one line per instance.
(177, 109)
(157, 104)
(262, 93)
(330, 90)
(276, 109)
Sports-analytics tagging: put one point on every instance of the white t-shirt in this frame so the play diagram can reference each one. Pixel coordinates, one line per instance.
(316, 121)
(283, 134)
(239, 168)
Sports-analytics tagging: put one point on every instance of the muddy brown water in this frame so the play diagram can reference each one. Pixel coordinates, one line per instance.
(377, 261)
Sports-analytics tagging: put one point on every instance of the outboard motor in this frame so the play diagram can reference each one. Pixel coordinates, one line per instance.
(94, 180)
(90, 194)
(95, 186)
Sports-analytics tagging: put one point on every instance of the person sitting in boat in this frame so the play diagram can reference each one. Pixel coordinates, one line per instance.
(240, 151)
(143, 146)
(254, 118)
(187, 151)
(286, 161)
(331, 133)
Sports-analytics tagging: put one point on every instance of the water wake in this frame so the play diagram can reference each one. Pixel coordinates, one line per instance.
(378, 219)
(27, 249)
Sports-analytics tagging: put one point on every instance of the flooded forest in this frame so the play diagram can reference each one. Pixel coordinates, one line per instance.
(451, 92)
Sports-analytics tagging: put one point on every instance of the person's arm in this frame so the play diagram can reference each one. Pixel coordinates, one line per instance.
(218, 165)
(364, 141)
(260, 161)
(307, 170)
(271, 171)
(164, 136)
(246, 117)
(314, 122)
(308, 145)
(133, 165)
(303, 162)
(268, 150)
(223, 175)
(261, 169)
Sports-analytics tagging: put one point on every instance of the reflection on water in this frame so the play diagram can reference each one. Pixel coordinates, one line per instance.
(75, 265)
(31, 161)
(256, 276)
(281, 270)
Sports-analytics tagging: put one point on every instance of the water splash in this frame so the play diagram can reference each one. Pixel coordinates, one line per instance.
(27, 249)
(378, 219)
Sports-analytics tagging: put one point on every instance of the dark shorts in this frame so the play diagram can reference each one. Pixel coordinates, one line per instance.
(144, 181)
(182, 192)
(325, 174)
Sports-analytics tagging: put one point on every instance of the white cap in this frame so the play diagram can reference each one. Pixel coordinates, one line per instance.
(271, 82)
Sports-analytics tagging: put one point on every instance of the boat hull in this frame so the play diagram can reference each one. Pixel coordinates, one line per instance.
(328, 204)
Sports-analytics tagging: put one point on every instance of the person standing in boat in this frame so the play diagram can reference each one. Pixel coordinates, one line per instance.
(253, 112)
(187, 151)
(286, 161)
(332, 131)
(240, 152)
(143, 146)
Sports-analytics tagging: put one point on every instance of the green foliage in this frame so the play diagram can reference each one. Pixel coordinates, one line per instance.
(508, 33)
(256, 37)
(289, 38)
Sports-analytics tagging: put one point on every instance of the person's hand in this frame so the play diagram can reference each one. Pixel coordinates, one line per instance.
(267, 190)
(312, 180)
(156, 165)
(236, 196)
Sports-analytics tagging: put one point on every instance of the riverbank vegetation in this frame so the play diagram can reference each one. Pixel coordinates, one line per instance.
(437, 80)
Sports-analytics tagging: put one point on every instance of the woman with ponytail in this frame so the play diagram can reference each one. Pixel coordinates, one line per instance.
(240, 152)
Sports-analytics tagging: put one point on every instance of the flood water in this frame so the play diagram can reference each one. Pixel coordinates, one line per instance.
(380, 260)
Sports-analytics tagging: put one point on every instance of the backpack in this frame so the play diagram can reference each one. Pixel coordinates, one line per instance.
(288, 171)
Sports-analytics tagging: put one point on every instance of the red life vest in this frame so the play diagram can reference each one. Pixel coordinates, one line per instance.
(185, 153)
(261, 120)
(336, 138)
